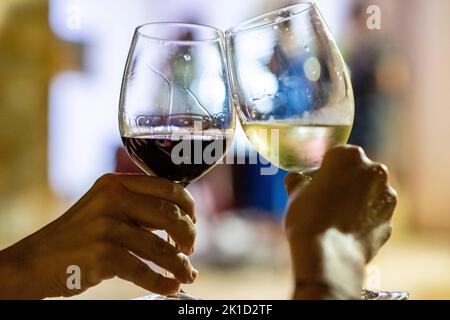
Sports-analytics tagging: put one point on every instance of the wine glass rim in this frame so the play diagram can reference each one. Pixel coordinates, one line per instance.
(249, 24)
(219, 33)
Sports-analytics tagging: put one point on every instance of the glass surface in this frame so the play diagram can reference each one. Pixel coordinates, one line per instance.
(291, 86)
(175, 115)
(292, 91)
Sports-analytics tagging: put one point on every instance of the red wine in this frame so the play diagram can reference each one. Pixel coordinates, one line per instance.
(179, 159)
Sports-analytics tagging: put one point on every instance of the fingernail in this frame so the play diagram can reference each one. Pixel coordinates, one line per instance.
(174, 212)
(188, 218)
(194, 274)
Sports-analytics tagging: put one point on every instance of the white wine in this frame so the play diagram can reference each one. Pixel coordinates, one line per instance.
(295, 147)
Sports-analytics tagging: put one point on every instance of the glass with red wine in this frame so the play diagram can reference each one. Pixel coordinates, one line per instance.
(175, 116)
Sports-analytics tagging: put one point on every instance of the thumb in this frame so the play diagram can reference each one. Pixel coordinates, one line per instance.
(295, 180)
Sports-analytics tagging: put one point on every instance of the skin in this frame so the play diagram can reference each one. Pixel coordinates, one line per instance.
(336, 223)
(98, 233)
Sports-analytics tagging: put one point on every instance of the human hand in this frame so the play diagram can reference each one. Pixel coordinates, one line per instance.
(98, 233)
(343, 213)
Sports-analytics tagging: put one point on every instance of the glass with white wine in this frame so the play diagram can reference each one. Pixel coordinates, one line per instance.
(292, 91)
(291, 86)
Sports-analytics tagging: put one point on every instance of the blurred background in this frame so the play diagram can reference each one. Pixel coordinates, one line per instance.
(61, 64)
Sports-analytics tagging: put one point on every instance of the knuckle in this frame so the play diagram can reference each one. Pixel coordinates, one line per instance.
(166, 186)
(106, 179)
(345, 154)
(183, 267)
(110, 182)
(190, 231)
(171, 211)
(380, 171)
(110, 190)
(354, 153)
(175, 191)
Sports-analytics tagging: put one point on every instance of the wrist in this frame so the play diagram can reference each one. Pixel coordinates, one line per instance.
(16, 276)
(307, 258)
(9, 275)
(327, 265)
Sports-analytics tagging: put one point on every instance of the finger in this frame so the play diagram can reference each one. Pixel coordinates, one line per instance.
(377, 175)
(380, 172)
(130, 268)
(382, 207)
(161, 188)
(346, 155)
(162, 215)
(387, 235)
(391, 202)
(295, 180)
(155, 187)
(151, 247)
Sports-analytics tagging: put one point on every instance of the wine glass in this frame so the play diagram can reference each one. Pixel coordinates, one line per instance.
(291, 86)
(292, 91)
(175, 115)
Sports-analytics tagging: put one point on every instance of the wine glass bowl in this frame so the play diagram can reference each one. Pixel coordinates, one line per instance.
(291, 86)
(175, 89)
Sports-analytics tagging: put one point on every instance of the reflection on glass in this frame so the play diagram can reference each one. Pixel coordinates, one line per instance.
(291, 86)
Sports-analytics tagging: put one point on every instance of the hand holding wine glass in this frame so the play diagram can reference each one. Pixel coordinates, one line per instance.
(104, 235)
(332, 239)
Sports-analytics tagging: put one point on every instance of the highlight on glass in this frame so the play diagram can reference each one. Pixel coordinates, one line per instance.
(291, 86)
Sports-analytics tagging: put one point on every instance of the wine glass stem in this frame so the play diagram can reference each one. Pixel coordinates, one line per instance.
(309, 174)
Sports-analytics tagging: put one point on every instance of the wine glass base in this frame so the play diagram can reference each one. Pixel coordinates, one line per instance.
(384, 295)
(178, 296)
(365, 295)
